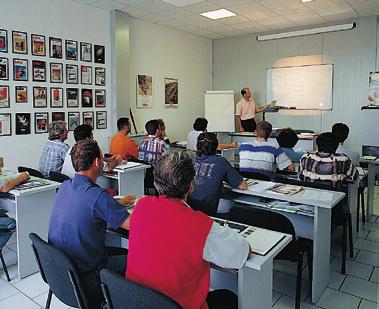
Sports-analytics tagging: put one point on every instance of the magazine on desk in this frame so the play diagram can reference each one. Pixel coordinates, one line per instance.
(30, 184)
(285, 189)
(128, 165)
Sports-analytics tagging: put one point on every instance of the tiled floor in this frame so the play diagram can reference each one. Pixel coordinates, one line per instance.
(358, 289)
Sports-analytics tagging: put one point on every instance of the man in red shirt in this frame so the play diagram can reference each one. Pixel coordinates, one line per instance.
(121, 144)
(171, 245)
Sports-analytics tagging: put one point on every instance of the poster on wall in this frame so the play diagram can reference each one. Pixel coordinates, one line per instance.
(56, 72)
(20, 69)
(144, 91)
(73, 120)
(3, 68)
(171, 92)
(85, 51)
(100, 98)
(88, 118)
(100, 76)
(86, 75)
(4, 96)
(373, 88)
(20, 42)
(5, 124)
(99, 52)
(71, 50)
(22, 123)
(56, 97)
(58, 116)
(101, 120)
(21, 94)
(41, 121)
(72, 97)
(87, 98)
(39, 96)
(3, 41)
(56, 48)
(71, 74)
(39, 71)
(38, 45)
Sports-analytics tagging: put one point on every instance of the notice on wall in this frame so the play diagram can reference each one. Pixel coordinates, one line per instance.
(373, 88)
(144, 91)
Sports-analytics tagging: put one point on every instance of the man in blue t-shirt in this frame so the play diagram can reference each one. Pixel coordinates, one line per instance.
(211, 171)
(80, 217)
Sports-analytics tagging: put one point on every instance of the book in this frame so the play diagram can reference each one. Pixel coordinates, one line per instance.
(285, 189)
(127, 165)
(262, 241)
(30, 184)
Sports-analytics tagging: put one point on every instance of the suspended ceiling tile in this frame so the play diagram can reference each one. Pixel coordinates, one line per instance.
(202, 7)
(132, 11)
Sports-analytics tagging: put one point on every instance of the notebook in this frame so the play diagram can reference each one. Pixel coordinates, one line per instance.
(127, 165)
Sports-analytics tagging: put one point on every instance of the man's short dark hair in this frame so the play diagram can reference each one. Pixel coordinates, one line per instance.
(243, 91)
(264, 129)
(173, 173)
(327, 142)
(83, 153)
(207, 144)
(287, 138)
(340, 131)
(122, 122)
(82, 131)
(200, 124)
(152, 126)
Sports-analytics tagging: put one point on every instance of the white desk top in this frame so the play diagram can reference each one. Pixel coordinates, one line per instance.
(136, 167)
(363, 160)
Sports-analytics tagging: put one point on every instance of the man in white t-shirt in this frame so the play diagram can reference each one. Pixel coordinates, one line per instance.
(199, 126)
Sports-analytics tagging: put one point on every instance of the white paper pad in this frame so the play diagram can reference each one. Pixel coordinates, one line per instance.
(127, 165)
(317, 195)
(261, 186)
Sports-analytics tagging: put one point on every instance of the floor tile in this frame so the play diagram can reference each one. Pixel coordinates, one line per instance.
(336, 279)
(365, 304)
(353, 268)
(10, 257)
(286, 284)
(332, 299)
(374, 236)
(13, 246)
(12, 271)
(362, 233)
(361, 288)
(275, 297)
(286, 302)
(367, 245)
(286, 267)
(32, 285)
(375, 276)
(370, 226)
(6, 289)
(19, 301)
(55, 302)
(366, 257)
(12, 240)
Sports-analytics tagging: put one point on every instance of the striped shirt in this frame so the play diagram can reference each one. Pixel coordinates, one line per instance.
(327, 168)
(149, 148)
(52, 157)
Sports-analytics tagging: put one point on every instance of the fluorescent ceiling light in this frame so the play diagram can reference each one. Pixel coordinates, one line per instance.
(181, 3)
(306, 1)
(218, 14)
(290, 34)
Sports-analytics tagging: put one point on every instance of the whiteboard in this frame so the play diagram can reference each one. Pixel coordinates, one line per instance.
(219, 110)
(303, 87)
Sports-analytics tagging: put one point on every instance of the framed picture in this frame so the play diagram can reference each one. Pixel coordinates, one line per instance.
(39, 71)
(71, 50)
(38, 45)
(88, 118)
(22, 123)
(100, 98)
(144, 91)
(87, 98)
(39, 97)
(4, 69)
(55, 48)
(57, 116)
(72, 97)
(99, 52)
(56, 97)
(86, 75)
(100, 76)
(73, 120)
(4, 96)
(20, 69)
(5, 124)
(86, 52)
(3, 41)
(20, 42)
(71, 74)
(21, 94)
(41, 121)
(101, 120)
(171, 92)
(56, 72)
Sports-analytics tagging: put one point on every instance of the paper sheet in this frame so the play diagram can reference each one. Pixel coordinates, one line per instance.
(261, 186)
(317, 195)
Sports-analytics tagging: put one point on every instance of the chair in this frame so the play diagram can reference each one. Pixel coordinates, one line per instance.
(58, 176)
(121, 293)
(60, 273)
(293, 252)
(31, 171)
(7, 228)
(257, 176)
(361, 204)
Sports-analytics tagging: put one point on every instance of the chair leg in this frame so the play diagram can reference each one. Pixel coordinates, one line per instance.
(310, 268)
(4, 266)
(350, 227)
(48, 300)
(358, 204)
(298, 279)
(344, 241)
(363, 206)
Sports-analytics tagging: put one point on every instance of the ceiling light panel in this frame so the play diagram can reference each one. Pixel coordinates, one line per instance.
(218, 14)
(180, 3)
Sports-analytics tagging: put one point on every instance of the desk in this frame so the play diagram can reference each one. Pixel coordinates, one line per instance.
(372, 166)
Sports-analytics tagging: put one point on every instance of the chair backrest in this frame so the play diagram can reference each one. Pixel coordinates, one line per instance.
(31, 171)
(58, 176)
(59, 272)
(121, 293)
(257, 176)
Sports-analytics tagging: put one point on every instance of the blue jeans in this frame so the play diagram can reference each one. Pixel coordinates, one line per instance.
(7, 227)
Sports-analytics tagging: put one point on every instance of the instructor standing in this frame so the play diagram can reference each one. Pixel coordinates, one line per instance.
(245, 112)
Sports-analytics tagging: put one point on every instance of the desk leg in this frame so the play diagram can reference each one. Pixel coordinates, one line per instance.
(32, 216)
(370, 190)
(255, 287)
(131, 182)
(321, 252)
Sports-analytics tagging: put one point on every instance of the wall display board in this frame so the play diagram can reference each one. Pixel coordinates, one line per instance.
(219, 110)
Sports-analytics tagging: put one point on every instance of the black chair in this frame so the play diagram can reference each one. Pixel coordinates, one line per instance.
(257, 176)
(58, 176)
(121, 293)
(60, 273)
(7, 228)
(31, 171)
(361, 201)
(293, 252)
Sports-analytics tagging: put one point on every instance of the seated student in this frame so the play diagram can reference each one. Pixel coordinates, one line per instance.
(80, 217)
(121, 144)
(162, 127)
(153, 145)
(199, 126)
(341, 132)
(325, 165)
(262, 156)
(211, 171)
(287, 139)
(177, 263)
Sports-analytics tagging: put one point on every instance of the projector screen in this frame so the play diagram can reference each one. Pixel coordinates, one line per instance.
(303, 87)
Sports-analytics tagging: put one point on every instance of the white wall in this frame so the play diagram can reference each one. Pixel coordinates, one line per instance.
(162, 52)
(61, 19)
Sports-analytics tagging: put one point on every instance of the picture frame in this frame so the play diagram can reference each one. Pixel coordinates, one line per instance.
(20, 69)
(101, 120)
(73, 120)
(71, 50)
(85, 52)
(99, 76)
(58, 116)
(38, 43)
(55, 47)
(3, 41)
(72, 97)
(99, 54)
(39, 97)
(38, 71)
(88, 118)
(100, 98)
(4, 68)
(41, 122)
(21, 94)
(22, 121)
(87, 98)
(86, 75)
(72, 74)
(19, 42)
(5, 124)
(56, 72)
(56, 97)
(4, 96)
